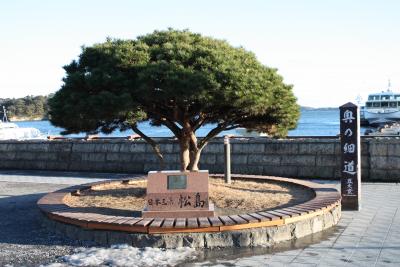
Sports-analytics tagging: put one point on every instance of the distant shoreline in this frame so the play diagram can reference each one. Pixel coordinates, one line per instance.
(21, 119)
(327, 108)
(18, 119)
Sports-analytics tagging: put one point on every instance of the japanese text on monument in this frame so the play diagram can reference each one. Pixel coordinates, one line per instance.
(349, 150)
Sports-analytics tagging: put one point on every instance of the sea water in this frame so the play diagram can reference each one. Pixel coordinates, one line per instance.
(313, 122)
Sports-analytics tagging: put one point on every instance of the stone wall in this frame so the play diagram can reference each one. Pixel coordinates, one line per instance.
(302, 158)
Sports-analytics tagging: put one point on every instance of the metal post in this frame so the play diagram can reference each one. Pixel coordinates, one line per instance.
(227, 150)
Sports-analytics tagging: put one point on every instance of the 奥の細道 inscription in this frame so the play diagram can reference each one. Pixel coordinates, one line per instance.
(350, 156)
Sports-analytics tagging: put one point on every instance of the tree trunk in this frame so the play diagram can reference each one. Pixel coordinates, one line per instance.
(190, 147)
(185, 153)
(194, 159)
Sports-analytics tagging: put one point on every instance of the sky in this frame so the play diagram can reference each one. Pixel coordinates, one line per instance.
(331, 51)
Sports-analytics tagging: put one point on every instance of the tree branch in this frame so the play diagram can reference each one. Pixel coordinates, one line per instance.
(203, 142)
(199, 122)
(232, 127)
(168, 123)
(151, 142)
(174, 129)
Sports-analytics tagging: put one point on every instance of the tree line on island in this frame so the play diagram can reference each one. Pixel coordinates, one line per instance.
(26, 108)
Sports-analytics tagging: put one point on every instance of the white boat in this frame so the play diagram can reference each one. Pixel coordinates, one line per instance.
(246, 133)
(382, 107)
(387, 129)
(10, 130)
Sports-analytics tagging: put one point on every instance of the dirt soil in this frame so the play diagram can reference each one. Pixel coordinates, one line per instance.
(241, 196)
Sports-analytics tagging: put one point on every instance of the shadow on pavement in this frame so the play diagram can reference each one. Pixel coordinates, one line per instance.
(21, 223)
(218, 256)
(68, 174)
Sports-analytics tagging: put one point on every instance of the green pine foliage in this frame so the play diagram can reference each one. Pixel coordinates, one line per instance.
(174, 78)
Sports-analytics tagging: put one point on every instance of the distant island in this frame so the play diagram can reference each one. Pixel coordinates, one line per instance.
(325, 108)
(26, 108)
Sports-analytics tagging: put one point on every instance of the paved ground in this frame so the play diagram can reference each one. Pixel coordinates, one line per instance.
(23, 241)
(370, 237)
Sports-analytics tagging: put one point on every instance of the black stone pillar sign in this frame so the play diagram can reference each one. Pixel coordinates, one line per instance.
(351, 157)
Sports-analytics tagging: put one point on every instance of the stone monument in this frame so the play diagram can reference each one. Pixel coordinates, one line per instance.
(351, 157)
(175, 194)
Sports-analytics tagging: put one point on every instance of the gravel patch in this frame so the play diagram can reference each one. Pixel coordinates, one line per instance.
(23, 240)
(242, 196)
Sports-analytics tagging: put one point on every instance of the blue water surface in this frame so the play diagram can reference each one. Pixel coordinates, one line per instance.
(314, 122)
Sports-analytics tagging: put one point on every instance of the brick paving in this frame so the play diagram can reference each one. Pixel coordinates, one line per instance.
(370, 237)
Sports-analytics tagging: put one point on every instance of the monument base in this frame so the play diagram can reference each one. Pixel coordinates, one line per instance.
(179, 213)
(350, 203)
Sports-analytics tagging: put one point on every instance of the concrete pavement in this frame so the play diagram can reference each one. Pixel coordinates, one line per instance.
(23, 240)
(370, 237)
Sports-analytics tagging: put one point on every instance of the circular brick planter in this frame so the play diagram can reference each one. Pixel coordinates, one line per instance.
(264, 228)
